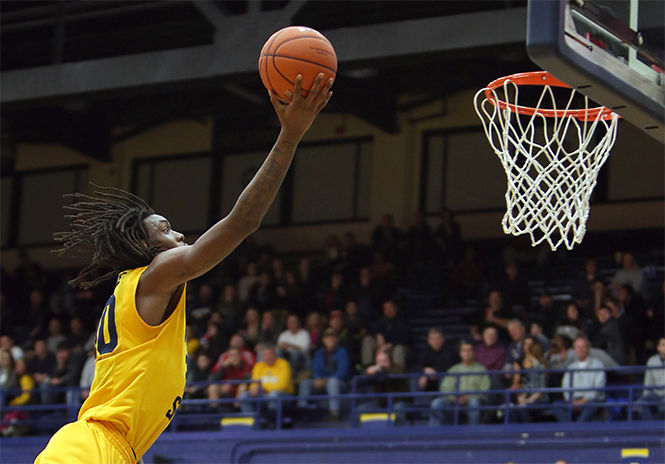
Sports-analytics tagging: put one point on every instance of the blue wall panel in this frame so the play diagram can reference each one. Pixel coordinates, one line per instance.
(529, 443)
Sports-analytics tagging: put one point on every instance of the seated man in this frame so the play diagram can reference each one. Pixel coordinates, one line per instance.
(293, 344)
(584, 379)
(438, 356)
(331, 372)
(389, 334)
(234, 367)
(653, 400)
(275, 376)
(442, 407)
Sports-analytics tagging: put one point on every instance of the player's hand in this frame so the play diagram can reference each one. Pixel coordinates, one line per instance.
(297, 116)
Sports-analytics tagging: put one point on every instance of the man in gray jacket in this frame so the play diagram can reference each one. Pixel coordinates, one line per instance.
(590, 383)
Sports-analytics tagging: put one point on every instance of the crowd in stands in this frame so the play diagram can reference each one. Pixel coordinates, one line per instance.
(306, 326)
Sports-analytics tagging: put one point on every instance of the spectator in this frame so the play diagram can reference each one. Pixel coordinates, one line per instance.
(368, 294)
(438, 356)
(441, 407)
(607, 336)
(238, 343)
(252, 327)
(579, 400)
(515, 290)
(467, 275)
(652, 404)
(203, 305)
(383, 271)
(63, 374)
(356, 328)
(307, 282)
(42, 363)
(493, 315)
(269, 329)
(56, 337)
(38, 312)
(515, 351)
(214, 340)
(275, 376)
(247, 282)
(654, 320)
(447, 238)
(332, 254)
(78, 336)
(537, 332)
(292, 294)
(234, 366)
(314, 326)
(386, 237)
(8, 378)
(262, 294)
(571, 324)
(193, 341)
(336, 295)
(354, 255)
(7, 343)
(490, 353)
(583, 286)
(534, 360)
(599, 295)
(330, 373)
(198, 371)
(87, 375)
(419, 241)
(545, 312)
(381, 381)
(633, 314)
(25, 382)
(629, 274)
(293, 344)
(336, 323)
(230, 307)
(388, 334)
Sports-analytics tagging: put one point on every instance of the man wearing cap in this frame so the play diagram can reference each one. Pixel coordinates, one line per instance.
(330, 373)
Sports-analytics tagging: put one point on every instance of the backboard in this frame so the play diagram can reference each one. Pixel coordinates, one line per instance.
(610, 50)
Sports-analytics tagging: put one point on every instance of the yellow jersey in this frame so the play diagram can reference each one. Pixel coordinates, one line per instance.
(139, 369)
(274, 378)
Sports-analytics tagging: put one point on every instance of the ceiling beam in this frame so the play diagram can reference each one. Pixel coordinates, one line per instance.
(236, 50)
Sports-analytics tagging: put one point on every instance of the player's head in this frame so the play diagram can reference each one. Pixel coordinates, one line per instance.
(119, 230)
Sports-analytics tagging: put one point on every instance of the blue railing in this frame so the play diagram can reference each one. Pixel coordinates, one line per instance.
(400, 403)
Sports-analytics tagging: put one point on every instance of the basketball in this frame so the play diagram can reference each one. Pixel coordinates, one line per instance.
(296, 50)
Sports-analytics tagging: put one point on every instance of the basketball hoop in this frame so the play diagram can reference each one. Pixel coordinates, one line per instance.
(551, 155)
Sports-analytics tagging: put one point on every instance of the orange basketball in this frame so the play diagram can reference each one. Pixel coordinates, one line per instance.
(296, 50)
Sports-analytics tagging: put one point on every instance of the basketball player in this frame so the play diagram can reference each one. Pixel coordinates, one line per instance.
(140, 362)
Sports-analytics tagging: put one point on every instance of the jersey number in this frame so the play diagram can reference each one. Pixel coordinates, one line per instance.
(108, 320)
(176, 403)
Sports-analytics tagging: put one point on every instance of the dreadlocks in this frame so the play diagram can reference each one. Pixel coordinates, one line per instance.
(109, 226)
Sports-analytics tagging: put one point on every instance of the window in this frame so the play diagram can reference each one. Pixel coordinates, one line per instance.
(41, 202)
(178, 188)
(460, 172)
(331, 181)
(237, 171)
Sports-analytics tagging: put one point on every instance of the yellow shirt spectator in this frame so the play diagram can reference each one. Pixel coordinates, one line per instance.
(275, 377)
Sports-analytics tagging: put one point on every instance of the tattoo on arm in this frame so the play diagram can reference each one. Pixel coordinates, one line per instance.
(257, 197)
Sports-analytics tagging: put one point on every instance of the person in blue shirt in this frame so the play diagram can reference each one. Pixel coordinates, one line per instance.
(331, 371)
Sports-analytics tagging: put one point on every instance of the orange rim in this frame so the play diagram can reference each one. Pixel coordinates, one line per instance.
(541, 78)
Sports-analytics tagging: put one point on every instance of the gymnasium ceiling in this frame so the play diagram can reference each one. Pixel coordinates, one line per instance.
(73, 69)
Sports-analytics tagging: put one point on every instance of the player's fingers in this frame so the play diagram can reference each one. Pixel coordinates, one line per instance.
(324, 102)
(314, 91)
(297, 88)
(325, 92)
(273, 99)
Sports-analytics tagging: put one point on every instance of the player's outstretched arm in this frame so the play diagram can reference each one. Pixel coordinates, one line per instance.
(173, 267)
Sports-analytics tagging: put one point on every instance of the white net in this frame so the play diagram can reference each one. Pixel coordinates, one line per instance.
(551, 161)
